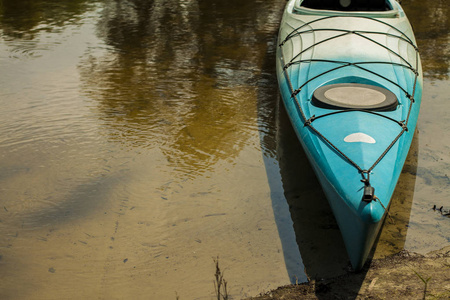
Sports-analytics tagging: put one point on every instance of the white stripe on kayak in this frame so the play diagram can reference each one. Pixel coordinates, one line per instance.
(359, 137)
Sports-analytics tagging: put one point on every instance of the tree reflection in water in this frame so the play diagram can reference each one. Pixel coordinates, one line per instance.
(431, 22)
(180, 76)
(23, 19)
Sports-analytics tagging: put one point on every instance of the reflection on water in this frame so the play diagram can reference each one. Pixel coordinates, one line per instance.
(431, 23)
(130, 153)
(179, 76)
(428, 231)
(139, 139)
(25, 18)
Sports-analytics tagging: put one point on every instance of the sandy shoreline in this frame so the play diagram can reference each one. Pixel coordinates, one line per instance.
(399, 276)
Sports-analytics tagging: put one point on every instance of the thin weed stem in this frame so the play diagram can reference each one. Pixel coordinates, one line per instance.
(220, 284)
(425, 282)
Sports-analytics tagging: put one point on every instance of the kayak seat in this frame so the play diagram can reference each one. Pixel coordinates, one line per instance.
(347, 5)
(344, 96)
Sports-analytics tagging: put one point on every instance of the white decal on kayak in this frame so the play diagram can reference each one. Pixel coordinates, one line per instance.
(359, 137)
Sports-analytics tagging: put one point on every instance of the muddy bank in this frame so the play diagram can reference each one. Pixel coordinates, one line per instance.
(399, 276)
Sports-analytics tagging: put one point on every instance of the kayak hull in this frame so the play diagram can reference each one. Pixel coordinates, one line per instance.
(352, 150)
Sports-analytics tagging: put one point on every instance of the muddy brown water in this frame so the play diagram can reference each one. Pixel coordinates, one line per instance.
(139, 140)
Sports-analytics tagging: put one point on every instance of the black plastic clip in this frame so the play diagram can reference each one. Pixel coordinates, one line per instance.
(369, 191)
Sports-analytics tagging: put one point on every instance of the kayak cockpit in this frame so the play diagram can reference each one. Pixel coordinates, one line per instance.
(367, 8)
(347, 5)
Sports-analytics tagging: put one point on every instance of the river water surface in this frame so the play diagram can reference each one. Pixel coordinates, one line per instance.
(140, 140)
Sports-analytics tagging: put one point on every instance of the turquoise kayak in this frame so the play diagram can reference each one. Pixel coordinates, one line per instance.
(350, 77)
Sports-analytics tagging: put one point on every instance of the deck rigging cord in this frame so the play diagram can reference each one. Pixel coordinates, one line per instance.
(368, 194)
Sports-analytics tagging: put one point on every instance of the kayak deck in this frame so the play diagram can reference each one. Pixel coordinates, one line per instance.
(334, 66)
(357, 147)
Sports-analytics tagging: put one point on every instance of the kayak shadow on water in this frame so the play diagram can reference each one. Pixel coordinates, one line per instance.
(320, 251)
(317, 233)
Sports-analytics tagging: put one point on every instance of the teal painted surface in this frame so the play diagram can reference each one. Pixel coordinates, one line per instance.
(389, 41)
